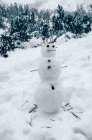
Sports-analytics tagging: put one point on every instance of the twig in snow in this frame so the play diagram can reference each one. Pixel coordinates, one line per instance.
(70, 109)
(75, 115)
(30, 123)
(33, 109)
(64, 67)
(34, 70)
(46, 127)
(68, 104)
(67, 107)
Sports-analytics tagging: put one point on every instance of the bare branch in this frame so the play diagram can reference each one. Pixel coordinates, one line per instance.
(33, 109)
(34, 70)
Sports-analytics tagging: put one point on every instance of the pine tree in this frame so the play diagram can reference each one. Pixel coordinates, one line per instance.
(7, 44)
(45, 31)
(15, 9)
(33, 18)
(69, 23)
(19, 29)
(60, 12)
(32, 23)
(1, 22)
(55, 25)
(20, 10)
(58, 20)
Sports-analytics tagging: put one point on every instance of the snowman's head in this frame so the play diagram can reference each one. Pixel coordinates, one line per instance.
(48, 50)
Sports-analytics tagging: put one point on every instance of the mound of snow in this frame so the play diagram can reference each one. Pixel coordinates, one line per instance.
(33, 43)
(17, 88)
(65, 37)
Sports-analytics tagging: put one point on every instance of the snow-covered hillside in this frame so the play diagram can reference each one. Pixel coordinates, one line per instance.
(69, 5)
(17, 86)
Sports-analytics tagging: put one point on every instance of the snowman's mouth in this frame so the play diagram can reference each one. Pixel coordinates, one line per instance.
(50, 50)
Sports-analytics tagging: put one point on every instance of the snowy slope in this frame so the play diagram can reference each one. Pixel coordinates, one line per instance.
(18, 84)
(69, 5)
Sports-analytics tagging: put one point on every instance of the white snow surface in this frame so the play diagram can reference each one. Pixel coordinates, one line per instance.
(69, 5)
(18, 83)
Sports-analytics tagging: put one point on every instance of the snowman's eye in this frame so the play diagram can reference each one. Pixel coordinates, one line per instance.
(49, 67)
(47, 46)
(53, 46)
(49, 60)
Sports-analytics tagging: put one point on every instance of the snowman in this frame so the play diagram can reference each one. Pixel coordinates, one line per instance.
(49, 95)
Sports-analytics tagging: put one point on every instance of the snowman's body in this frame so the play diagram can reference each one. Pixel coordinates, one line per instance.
(48, 95)
(49, 69)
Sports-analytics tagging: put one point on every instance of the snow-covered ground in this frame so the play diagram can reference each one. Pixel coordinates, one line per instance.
(17, 86)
